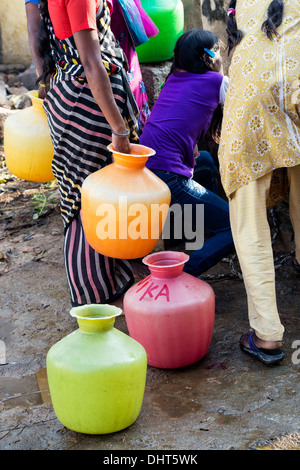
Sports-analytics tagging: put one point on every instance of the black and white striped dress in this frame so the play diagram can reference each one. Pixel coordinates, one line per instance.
(80, 136)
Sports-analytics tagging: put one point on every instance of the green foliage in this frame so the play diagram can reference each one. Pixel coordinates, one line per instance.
(43, 201)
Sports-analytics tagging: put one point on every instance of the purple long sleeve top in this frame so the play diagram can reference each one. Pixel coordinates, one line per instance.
(180, 117)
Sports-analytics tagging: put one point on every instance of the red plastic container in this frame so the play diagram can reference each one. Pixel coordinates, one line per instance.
(170, 312)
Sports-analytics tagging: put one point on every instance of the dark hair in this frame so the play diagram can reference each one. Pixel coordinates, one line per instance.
(275, 16)
(189, 51)
(214, 130)
(44, 47)
(234, 35)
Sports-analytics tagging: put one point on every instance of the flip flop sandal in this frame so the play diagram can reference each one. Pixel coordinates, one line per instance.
(267, 356)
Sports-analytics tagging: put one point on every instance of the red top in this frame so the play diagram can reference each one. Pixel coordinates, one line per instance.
(70, 16)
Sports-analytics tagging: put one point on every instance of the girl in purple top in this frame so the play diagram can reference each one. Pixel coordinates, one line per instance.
(187, 108)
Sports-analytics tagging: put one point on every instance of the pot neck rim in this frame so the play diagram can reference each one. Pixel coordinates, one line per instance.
(37, 102)
(166, 264)
(136, 159)
(95, 317)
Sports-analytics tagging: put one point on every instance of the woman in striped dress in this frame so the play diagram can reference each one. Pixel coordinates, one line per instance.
(89, 105)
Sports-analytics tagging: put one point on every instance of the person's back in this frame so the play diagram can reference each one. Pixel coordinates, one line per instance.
(180, 117)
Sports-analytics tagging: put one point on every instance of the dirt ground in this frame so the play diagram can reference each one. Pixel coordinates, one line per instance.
(226, 401)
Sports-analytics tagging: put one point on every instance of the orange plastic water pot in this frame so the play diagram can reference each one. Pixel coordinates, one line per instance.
(170, 312)
(124, 206)
(28, 147)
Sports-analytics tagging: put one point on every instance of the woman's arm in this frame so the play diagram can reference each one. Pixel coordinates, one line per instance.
(88, 47)
(33, 25)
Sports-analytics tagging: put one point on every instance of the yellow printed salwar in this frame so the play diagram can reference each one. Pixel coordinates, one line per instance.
(261, 125)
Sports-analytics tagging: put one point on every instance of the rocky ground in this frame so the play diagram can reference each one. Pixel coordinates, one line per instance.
(226, 401)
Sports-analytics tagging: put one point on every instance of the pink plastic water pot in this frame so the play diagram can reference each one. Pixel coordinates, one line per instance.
(171, 313)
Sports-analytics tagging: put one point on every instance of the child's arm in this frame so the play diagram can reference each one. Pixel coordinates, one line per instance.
(223, 89)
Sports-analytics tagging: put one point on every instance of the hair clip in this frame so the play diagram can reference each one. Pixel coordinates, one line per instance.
(231, 11)
(209, 52)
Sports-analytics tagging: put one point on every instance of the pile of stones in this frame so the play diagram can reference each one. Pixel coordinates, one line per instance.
(15, 82)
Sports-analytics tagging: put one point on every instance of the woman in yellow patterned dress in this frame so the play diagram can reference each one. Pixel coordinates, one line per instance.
(260, 135)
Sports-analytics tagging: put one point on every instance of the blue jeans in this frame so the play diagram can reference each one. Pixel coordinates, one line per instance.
(216, 215)
(205, 171)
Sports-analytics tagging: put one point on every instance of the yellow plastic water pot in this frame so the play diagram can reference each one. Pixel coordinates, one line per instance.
(28, 147)
(97, 374)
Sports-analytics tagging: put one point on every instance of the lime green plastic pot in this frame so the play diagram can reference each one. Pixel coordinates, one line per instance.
(168, 16)
(96, 374)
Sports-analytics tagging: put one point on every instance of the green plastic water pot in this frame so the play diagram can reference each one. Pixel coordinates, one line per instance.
(168, 16)
(96, 374)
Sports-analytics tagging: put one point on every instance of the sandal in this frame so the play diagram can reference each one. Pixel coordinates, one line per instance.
(267, 356)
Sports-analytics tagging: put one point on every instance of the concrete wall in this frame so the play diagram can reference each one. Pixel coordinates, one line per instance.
(192, 14)
(214, 14)
(15, 47)
(207, 14)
